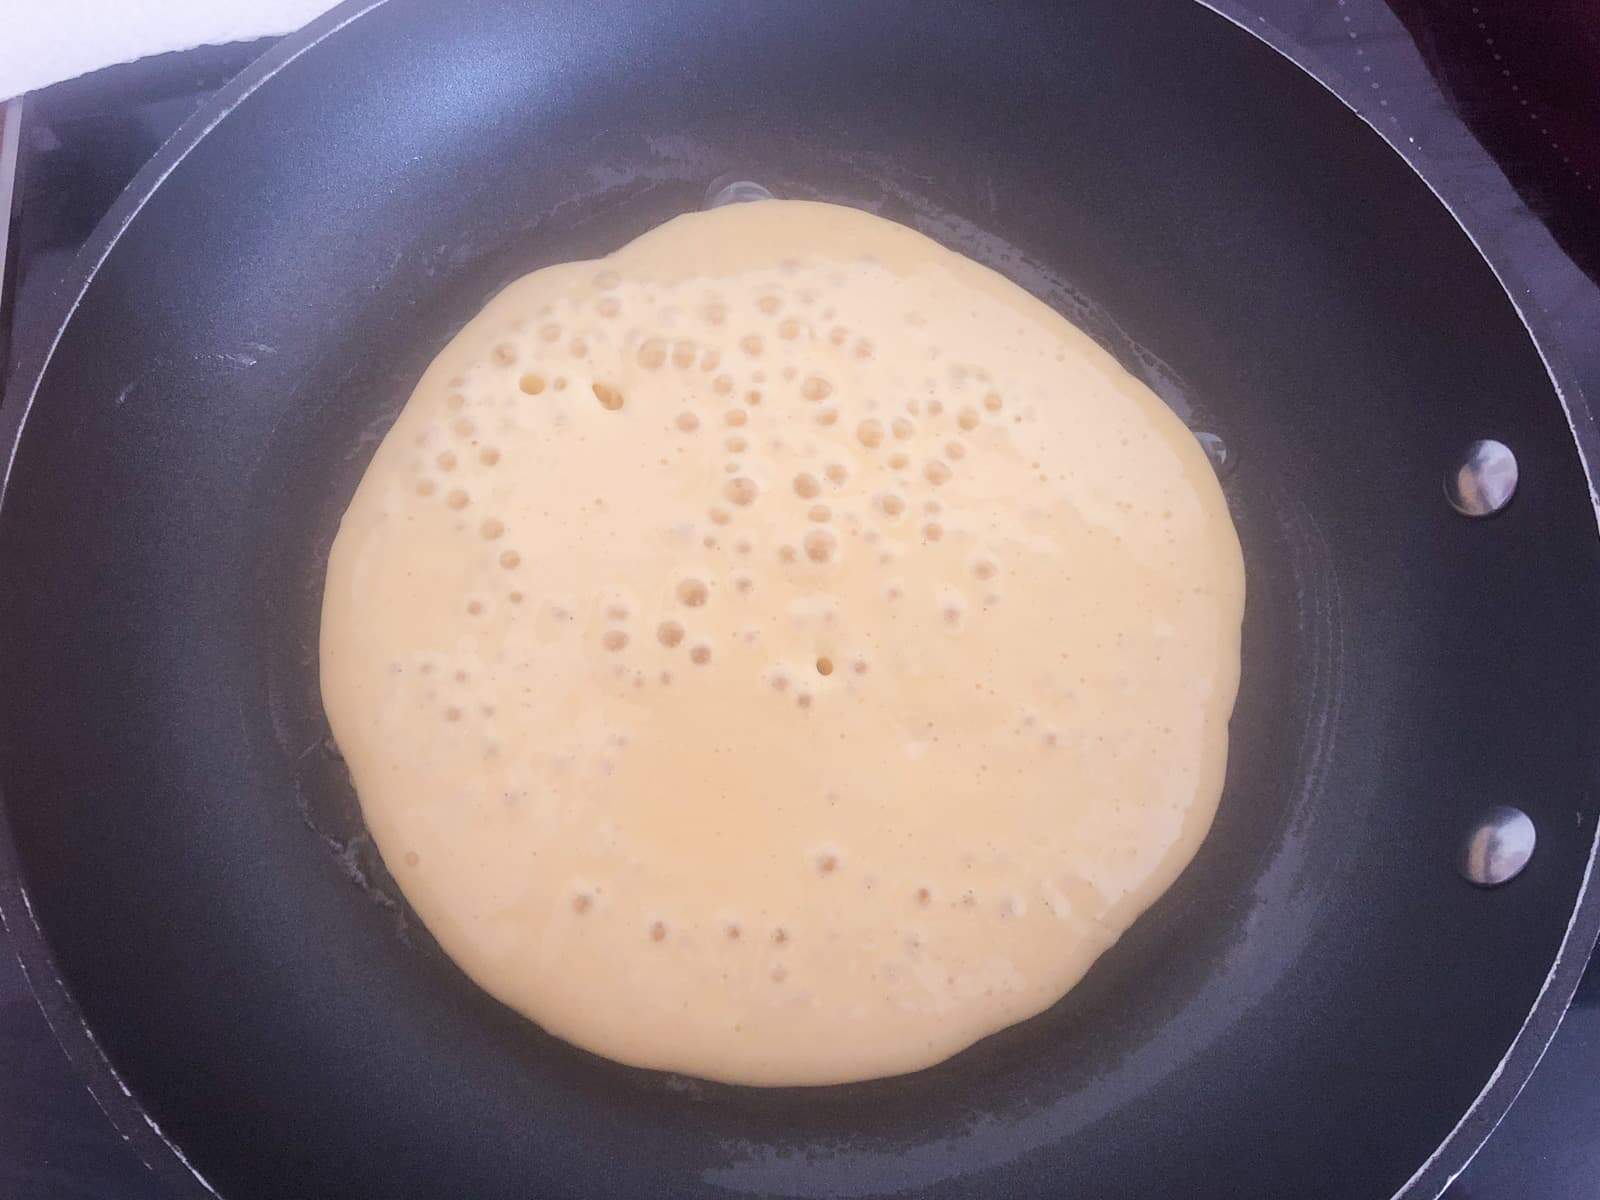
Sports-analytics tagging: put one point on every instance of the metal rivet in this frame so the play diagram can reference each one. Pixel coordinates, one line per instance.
(1484, 481)
(1497, 847)
(1222, 458)
(726, 190)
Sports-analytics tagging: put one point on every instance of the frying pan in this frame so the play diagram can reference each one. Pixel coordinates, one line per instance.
(1320, 1007)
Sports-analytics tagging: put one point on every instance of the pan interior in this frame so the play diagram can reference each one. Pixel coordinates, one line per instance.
(1303, 1014)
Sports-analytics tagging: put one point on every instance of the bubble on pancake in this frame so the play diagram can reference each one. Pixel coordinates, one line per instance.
(820, 545)
(740, 490)
(816, 388)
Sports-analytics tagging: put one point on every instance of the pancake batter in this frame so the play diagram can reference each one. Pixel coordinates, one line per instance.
(783, 651)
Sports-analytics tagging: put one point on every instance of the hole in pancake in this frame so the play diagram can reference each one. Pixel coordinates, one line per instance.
(740, 490)
(816, 388)
(820, 545)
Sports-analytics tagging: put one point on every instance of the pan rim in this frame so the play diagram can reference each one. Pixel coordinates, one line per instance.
(163, 1157)
(1527, 1049)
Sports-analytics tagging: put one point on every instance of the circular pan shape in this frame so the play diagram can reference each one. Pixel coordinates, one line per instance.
(168, 994)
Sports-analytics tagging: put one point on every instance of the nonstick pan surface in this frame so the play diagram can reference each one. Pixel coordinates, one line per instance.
(1320, 1007)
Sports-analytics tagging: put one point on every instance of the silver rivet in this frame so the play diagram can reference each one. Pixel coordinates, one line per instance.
(1222, 458)
(1484, 481)
(733, 190)
(1497, 847)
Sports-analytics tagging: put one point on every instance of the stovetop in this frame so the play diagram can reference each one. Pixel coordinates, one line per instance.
(1445, 78)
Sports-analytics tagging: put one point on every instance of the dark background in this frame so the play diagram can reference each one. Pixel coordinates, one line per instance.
(1498, 101)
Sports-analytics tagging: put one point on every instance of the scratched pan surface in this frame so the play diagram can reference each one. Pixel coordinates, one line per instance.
(1320, 1007)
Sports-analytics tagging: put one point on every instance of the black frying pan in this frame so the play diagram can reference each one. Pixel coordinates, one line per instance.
(1320, 1007)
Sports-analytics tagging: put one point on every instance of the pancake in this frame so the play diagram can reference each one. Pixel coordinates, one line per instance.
(783, 651)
